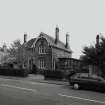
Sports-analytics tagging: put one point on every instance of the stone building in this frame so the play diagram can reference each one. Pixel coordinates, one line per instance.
(44, 51)
(69, 64)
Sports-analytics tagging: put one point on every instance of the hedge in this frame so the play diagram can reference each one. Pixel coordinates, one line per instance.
(14, 72)
(53, 74)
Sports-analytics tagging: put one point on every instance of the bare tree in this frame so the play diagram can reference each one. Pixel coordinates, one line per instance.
(18, 51)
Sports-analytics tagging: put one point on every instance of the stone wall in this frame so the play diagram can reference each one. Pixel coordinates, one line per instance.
(46, 56)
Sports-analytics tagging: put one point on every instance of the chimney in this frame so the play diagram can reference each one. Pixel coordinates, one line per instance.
(97, 41)
(67, 41)
(25, 38)
(56, 34)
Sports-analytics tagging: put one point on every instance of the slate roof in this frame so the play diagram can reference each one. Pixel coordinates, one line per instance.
(51, 42)
(30, 43)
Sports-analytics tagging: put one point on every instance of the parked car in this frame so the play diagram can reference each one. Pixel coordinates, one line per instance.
(83, 80)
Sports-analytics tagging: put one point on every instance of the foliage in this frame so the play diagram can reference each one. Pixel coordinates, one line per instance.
(17, 51)
(15, 46)
(13, 72)
(95, 55)
(50, 74)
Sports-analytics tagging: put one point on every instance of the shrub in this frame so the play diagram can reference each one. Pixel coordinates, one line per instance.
(13, 72)
(53, 74)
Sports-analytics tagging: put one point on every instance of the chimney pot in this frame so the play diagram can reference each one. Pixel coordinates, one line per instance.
(56, 34)
(67, 41)
(25, 38)
(97, 41)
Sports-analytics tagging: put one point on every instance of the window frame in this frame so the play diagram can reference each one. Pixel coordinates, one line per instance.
(42, 49)
(42, 64)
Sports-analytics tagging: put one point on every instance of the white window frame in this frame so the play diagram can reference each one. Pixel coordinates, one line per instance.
(42, 64)
(42, 49)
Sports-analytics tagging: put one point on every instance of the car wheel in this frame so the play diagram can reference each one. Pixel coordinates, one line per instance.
(76, 86)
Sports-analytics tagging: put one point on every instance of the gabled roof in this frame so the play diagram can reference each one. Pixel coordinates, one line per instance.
(30, 43)
(51, 42)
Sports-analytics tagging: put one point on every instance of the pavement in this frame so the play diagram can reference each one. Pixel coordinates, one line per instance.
(37, 78)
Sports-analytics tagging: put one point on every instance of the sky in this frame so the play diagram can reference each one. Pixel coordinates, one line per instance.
(82, 19)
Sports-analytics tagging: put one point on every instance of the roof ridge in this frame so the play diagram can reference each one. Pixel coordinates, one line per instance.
(52, 38)
(51, 41)
(60, 44)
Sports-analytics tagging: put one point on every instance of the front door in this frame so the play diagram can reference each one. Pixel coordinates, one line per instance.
(34, 69)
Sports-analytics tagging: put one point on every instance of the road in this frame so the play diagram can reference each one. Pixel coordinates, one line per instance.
(24, 92)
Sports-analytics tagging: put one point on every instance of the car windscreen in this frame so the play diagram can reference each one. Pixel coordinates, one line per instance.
(97, 78)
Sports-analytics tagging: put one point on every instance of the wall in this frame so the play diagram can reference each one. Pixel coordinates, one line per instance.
(47, 56)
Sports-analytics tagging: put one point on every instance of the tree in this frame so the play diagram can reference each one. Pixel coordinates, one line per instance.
(101, 53)
(89, 55)
(17, 51)
(95, 55)
(14, 47)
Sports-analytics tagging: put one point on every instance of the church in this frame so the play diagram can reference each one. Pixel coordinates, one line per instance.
(44, 52)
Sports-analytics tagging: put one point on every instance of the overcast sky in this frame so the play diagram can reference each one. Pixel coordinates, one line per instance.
(83, 19)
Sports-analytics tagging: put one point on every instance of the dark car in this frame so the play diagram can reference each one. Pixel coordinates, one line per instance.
(83, 80)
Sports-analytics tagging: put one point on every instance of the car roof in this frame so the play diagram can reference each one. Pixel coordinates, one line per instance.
(82, 74)
(86, 75)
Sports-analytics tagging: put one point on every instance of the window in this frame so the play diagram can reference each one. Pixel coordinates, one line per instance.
(42, 64)
(42, 49)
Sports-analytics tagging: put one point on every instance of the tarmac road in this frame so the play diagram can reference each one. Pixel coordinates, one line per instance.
(25, 92)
